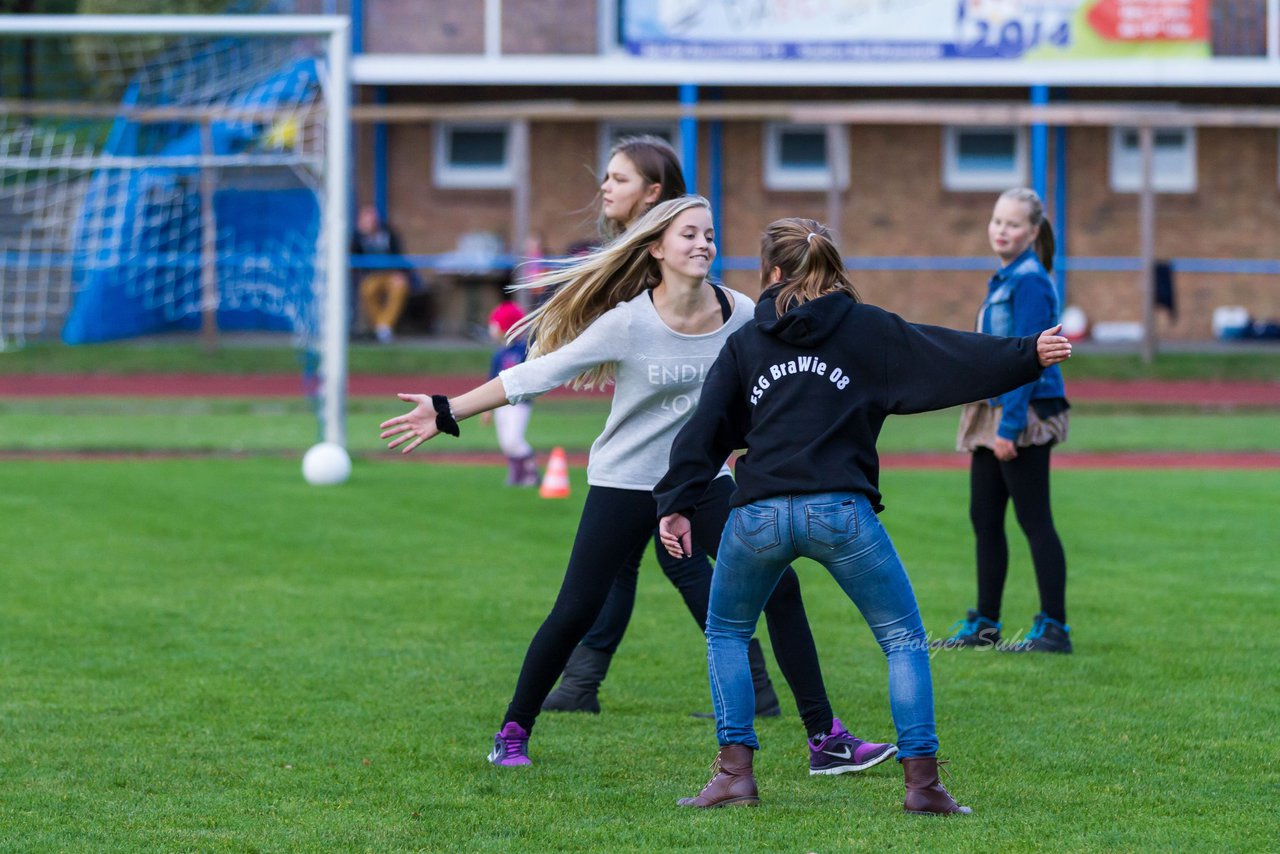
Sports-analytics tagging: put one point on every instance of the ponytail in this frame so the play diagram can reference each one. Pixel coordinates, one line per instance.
(1046, 245)
(810, 263)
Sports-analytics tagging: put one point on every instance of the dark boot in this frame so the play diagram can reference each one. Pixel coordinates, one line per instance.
(580, 681)
(515, 469)
(767, 705)
(973, 632)
(528, 475)
(925, 793)
(732, 784)
(1046, 635)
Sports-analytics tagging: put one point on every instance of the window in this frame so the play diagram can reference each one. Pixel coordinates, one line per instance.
(984, 158)
(611, 132)
(473, 156)
(796, 157)
(1173, 167)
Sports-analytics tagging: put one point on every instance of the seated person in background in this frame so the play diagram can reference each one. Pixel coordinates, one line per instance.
(384, 292)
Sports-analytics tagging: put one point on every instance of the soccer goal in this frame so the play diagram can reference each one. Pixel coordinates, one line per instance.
(164, 172)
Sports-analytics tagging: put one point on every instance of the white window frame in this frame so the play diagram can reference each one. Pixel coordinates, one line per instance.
(779, 177)
(966, 180)
(451, 177)
(1170, 174)
(609, 131)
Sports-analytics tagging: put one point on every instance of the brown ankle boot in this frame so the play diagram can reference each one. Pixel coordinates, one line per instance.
(732, 783)
(925, 793)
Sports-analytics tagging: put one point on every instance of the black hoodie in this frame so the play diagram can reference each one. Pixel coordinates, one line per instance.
(807, 393)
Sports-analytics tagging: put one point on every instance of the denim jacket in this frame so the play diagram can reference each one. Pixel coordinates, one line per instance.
(1021, 300)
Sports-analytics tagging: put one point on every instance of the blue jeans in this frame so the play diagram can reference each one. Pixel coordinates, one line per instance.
(842, 532)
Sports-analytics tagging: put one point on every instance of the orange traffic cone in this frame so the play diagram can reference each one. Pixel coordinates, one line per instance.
(555, 483)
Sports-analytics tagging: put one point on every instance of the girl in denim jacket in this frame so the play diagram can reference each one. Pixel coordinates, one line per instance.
(1010, 437)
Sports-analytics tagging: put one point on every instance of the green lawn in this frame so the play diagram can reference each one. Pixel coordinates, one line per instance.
(184, 356)
(210, 655)
(289, 426)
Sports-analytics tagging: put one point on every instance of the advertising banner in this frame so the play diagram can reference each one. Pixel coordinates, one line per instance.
(916, 30)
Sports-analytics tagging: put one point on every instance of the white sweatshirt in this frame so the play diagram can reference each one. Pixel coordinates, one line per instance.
(659, 380)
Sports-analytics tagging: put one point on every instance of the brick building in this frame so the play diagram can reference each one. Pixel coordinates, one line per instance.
(914, 197)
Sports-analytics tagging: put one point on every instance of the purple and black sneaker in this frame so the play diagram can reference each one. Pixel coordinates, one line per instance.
(840, 752)
(510, 746)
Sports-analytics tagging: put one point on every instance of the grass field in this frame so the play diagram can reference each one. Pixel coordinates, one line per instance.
(206, 654)
(209, 655)
(286, 426)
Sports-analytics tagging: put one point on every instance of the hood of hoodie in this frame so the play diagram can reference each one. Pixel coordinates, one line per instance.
(807, 325)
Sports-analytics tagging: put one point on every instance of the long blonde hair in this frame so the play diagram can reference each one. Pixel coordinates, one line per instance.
(810, 263)
(592, 285)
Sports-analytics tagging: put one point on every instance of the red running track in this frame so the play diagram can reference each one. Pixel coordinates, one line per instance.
(1225, 395)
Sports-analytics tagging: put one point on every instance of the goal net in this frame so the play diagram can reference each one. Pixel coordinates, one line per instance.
(164, 173)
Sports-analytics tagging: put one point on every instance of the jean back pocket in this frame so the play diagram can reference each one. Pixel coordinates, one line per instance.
(757, 527)
(831, 525)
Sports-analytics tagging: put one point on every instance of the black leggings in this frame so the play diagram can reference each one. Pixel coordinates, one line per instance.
(617, 522)
(690, 575)
(1025, 479)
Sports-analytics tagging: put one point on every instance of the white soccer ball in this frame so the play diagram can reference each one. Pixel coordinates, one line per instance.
(326, 464)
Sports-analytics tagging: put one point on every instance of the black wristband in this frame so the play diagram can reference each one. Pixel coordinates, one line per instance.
(445, 422)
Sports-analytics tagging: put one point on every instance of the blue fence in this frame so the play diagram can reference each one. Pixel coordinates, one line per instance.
(448, 262)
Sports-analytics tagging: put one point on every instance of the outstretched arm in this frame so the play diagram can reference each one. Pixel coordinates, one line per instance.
(605, 340)
(929, 367)
(419, 424)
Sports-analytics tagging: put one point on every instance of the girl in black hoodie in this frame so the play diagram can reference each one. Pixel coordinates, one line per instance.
(805, 389)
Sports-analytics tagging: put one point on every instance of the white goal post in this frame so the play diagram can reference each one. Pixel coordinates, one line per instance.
(326, 164)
